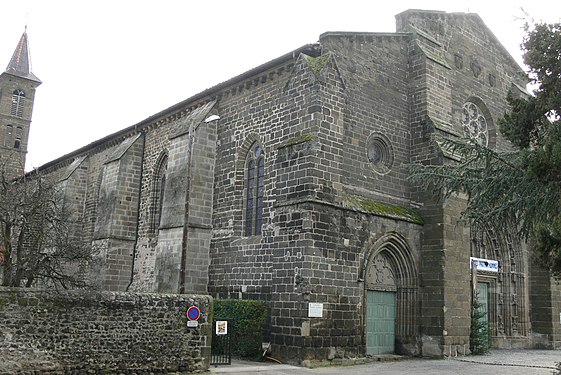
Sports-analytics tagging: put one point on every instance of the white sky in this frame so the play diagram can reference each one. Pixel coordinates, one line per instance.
(106, 65)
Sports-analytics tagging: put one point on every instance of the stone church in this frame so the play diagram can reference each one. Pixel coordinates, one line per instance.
(286, 184)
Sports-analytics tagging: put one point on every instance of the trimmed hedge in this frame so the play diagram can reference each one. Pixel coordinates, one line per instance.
(246, 320)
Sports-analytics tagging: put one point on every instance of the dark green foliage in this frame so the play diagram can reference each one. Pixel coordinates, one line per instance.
(542, 46)
(548, 239)
(246, 320)
(479, 333)
(522, 187)
(496, 184)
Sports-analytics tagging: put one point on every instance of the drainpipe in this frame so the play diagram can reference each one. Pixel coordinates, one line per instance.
(137, 210)
(185, 237)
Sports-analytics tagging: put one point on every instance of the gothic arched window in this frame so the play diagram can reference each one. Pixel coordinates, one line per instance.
(254, 190)
(18, 101)
(157, 193)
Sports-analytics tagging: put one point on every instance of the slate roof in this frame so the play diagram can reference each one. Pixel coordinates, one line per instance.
(20, 64)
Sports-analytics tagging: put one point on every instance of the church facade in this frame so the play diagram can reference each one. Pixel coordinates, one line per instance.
(286, 184)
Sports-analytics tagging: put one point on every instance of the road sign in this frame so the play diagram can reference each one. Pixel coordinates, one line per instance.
(193, 313)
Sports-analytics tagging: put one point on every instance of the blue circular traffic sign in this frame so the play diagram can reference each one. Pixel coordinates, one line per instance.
(193, 313)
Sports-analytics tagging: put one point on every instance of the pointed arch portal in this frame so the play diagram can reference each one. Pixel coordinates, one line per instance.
(506, 296)
(390, 279)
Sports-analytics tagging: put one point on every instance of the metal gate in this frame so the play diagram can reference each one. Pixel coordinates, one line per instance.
(380, 322)
(221, 343)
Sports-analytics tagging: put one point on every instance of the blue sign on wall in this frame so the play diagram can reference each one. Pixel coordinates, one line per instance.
(193, 313)
(485, 264)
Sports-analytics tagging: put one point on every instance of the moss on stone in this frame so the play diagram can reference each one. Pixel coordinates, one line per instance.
(318, 63)
(294, 141)
(385, 209)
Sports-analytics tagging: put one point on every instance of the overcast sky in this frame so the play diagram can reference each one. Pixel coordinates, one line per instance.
(106, 65)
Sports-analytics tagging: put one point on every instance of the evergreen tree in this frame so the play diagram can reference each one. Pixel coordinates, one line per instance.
(479, 333)
(523, 185)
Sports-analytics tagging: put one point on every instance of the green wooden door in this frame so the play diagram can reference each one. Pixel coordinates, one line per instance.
(483, 299)
(380, 322)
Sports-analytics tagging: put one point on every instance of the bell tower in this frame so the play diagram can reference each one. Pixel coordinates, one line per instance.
(17, 94)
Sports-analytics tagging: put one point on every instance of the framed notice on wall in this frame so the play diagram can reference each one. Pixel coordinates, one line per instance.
(315, 310)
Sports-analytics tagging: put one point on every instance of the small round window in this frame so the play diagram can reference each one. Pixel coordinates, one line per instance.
(380, 153)
(474, 123)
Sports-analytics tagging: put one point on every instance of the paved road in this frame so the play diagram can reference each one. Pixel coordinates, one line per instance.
(511, 362)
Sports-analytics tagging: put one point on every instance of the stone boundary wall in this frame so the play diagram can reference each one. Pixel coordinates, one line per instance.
(76, 332)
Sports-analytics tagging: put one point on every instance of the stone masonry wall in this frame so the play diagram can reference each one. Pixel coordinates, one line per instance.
(169, 248)
(314, 137)
(157, 145)
(12, 158)
(372, 102)
(117, 212)
(454, 59)
(546, 302)
(325, 249)
(200, 209)
(556, 305)
(243, 266)
(74, 186)
(473, 64)
(51, 332)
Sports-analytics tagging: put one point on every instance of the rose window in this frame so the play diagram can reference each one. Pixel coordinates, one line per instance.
(474, 123)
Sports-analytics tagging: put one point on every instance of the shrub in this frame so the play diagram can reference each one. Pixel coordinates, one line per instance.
(246, 320)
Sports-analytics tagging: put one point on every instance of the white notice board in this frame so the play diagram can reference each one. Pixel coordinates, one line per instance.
(315, 310)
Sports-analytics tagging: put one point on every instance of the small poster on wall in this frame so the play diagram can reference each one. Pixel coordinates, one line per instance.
(221, 327)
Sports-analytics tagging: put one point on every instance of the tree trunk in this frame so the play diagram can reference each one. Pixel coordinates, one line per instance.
(7, 268)
(20, 261)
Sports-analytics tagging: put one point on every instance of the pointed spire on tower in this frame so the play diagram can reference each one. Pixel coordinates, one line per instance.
(20, 64)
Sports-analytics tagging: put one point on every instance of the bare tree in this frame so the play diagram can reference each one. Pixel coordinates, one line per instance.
(38, 246)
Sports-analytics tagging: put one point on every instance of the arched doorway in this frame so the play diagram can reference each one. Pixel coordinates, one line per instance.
(390, 281)
(504, 292)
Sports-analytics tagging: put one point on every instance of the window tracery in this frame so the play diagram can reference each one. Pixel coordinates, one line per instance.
(475, 123)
